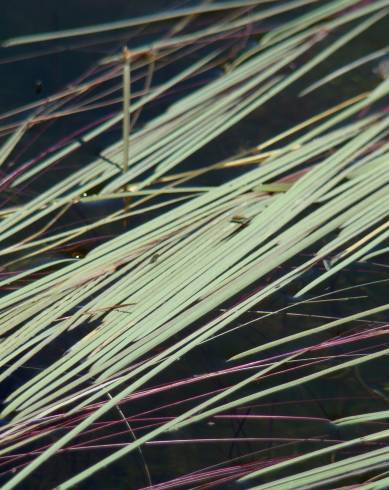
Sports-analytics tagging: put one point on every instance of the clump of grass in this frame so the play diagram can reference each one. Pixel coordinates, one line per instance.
(140, 303)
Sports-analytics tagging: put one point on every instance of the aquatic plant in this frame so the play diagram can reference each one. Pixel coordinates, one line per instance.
(184, 254)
